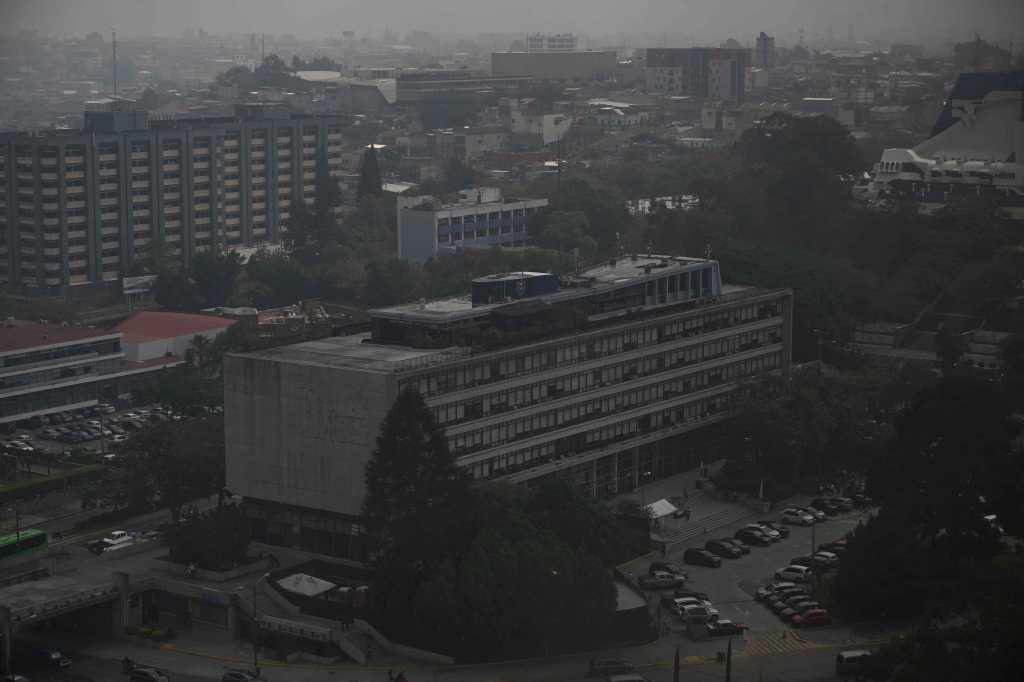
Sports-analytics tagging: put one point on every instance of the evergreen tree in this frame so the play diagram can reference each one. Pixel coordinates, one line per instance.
(313, 234)
(369, 174)
(411, 470)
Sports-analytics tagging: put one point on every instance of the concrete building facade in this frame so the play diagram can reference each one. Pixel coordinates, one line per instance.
(80, 207)
(600, 378)
(480, 219)
(706, 72)
(559, 65)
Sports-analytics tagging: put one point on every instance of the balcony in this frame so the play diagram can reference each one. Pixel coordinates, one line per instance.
(284, 153)
(107, 157)
(140, 156)
(172, 237)
(258, 193)
(172, 210)
(170, 167)
(200, 165)
(108, 172)
(140, 184)
(51, 222)
(75, 220)
(109, 260)
(108, 187)
(201, 221)
(71, 205)
(52, 267)
(308, 163)
(28, 177)
(140, 170)
(231, 156)
(172, 182)
(47, 206)
(78, 249)
(230, 196)
(73, 160)
(109, 215)
(258, 155)
(51, 252)
(232, 221)
(74, 175)
(201, 193)
(171, 196)
(231, 183)
(172, 223)
(230, 144)
(259, 206)
(46, 191)
(170, 153)
(110, 231)
(259, 168)
(140, 200)
(140, 213)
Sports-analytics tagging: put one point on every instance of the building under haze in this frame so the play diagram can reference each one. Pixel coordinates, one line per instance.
(706, 72)
(79, 207)
(550, 42)
(602, 377)
(480, 218)
(561, 65)
(975, 151)
(764, 52)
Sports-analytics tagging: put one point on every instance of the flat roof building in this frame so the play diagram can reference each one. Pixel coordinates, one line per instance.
(597, 377)
(480, 218)
(81, 207)
(561, 65)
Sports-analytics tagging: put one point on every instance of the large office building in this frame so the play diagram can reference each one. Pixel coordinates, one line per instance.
(80, 207)
(717, 73)
(975, 151)
(559, 65)
(550, 42)
(600, 377)
(481, 218)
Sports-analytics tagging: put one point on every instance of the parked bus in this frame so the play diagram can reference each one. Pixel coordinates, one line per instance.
(29, 540)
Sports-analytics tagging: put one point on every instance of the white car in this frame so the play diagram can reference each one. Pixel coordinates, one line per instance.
(797, 574)
(797, 517)
(118, 539)
(770, 532)
(830, 559)
(683, 602)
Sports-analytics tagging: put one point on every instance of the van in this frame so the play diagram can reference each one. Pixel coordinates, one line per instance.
(848, 662)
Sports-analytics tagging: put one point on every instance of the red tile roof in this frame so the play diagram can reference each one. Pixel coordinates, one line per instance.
(150, 325)
(26, 336)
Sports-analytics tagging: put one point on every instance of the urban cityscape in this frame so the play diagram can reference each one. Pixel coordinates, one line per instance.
(483, 342)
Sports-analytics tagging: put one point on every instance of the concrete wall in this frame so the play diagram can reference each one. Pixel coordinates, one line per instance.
(417, 235)
(301, 435)
(554, 65)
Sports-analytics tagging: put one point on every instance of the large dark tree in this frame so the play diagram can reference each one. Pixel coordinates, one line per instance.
(411, 470)
(314, 236)
(216, 276)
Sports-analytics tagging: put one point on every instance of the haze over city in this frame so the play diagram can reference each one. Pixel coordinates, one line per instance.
(701, 21)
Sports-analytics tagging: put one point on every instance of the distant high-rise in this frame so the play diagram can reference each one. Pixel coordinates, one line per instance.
(79, 207)
(549, 42)
(707, 72)
(764, 52)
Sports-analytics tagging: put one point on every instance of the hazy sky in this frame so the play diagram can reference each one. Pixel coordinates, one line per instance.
(709, 19)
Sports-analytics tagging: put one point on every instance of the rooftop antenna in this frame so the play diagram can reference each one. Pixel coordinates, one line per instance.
(114, 59)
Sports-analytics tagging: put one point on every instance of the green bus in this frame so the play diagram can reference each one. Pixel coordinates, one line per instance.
(29, 540)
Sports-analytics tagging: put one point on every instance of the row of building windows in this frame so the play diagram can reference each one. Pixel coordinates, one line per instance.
(680, 416)
(542, 422)
(588, 346)
(554, 388)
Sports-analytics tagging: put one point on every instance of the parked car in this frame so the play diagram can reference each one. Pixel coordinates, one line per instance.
(797, 574)
(666, 566)
(608, 666)
(818, 514)
(718, 628)
(811, 618)
(701, 557)
(802, 606)
(723, 549)
(837, 547)
(148, 675)
(680, 605)
(743, 547)
(239, 676)
(797, 517)
(771, 588)
(682, 592)
(825, 505)
(659, 581)
(777, 602)
(826, 559)
(770, 533)
(852, 662)
(787, 600)
(695, 614)
(780, 528)
(752, 537)
(843, 503)
(118, 539)
(31, 656)
(809, 562)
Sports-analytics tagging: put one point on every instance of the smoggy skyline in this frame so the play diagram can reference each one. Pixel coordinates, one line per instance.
(707, 21)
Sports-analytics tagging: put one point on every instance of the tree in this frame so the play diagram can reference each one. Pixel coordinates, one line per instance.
(216, 276)
(176, 291)
(314, 236)
(782, 139)
(564, 231)
(217, 540)
(369, 174)
(411, 470)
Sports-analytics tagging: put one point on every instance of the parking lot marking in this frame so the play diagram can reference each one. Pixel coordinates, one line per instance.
(777, 643)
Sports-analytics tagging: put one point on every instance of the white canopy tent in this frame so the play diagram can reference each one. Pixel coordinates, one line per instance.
(660, 509)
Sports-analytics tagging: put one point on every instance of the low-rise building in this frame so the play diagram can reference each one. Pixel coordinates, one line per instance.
(151, 334)
(559, 66)
(481, 218)
(602, 378)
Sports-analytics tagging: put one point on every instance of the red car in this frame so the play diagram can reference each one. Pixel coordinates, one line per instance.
(811, 618)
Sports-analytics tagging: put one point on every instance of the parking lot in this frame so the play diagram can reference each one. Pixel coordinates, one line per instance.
(102, 426)
(732, 586)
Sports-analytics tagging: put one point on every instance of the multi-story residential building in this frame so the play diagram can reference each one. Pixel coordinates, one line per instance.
(481, 218)
(764, 51)
(975, 151)
(707, 72)
(603, 377)
(549, 42)
(80, 207)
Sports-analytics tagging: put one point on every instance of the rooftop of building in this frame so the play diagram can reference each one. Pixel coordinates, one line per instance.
(339, 352)
(150, 325)
(19, 335)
